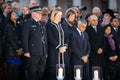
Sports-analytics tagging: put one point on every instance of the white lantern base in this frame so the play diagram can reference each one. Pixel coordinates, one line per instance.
(96, 79)
(78, 79)
(60, 78)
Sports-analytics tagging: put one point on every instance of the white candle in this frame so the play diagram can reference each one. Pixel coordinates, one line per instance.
(96, 74)
(60, 72)
(77, 73)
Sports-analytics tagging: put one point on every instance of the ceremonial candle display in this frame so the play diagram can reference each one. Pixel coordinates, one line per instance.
(60, 72)
(77, 73)
(96, 74)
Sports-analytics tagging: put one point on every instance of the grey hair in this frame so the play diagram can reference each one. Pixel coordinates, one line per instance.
(96, 9)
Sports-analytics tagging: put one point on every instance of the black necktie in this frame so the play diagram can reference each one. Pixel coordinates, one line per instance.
(82, 39)
(82, 36)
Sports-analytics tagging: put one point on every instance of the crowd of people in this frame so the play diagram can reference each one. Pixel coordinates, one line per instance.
(35, 43)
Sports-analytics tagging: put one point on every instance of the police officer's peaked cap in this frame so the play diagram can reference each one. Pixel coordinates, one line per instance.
(36, 9)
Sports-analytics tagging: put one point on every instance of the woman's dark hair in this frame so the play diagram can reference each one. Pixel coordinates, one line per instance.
(8, 18)
(87, 16)
(69, 12)
(106, 26)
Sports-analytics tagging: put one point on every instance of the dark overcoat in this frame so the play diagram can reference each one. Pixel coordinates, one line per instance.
(97, 41)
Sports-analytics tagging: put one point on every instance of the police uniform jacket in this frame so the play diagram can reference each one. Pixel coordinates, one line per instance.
(34, 38)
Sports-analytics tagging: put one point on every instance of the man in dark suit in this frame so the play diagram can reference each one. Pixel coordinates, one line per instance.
(80, 48)
(34, 44)
(115, 23)
(96, 38)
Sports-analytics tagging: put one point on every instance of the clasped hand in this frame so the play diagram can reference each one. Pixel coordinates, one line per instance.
(62, 49)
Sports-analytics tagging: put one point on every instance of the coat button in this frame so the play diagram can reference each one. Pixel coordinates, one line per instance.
(32, 44)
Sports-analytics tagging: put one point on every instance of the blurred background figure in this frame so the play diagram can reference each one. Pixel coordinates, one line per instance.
(107, 15)
(6, 8)
(117, 14)
(96, 11)
(16, 8)
(78, 12)
(87, 18)
(32, 3)
(45, 17)
(1, 2)
(25, 14)
(25, 11)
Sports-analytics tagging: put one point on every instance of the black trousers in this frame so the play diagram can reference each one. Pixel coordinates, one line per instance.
(109, 74)
(86, 70)
(12, 71)
(36, 66)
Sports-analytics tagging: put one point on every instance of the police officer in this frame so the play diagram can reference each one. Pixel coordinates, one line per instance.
(34, 44)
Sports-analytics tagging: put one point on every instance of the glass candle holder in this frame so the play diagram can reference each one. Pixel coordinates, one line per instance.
(60, 71)
(96, 72)
(78, 72)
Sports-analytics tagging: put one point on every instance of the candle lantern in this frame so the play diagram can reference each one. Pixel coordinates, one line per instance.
(60, 67)
(60, 71)
(78, 72)
(96, 72)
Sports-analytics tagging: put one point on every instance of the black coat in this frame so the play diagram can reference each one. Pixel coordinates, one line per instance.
(54, 44)
(67, 26)
(34, 38)
(2, 23)
(109, 52)
(97, 41)
(116, 35)
(12, 40)
(79, 48)
(0, 43)
(2, 32)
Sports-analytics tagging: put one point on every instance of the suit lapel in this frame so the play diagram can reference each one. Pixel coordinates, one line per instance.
(78, 35)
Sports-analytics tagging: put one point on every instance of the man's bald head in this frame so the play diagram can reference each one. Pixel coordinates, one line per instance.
(93, 20)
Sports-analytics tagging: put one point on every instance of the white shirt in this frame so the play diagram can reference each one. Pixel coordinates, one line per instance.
(79, 31)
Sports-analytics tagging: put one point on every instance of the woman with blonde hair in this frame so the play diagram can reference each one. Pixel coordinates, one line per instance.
(57, 44)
